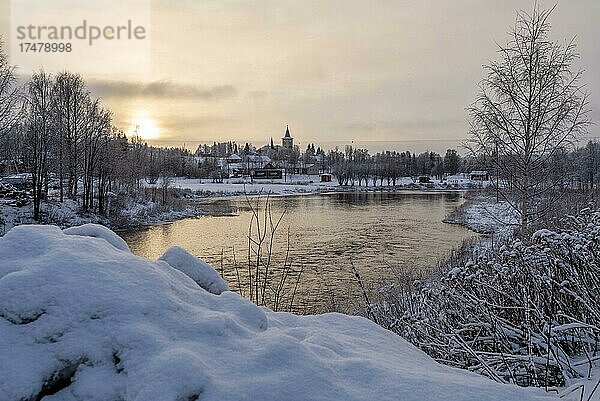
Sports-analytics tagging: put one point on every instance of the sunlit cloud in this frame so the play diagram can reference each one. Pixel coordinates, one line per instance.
(143, 126)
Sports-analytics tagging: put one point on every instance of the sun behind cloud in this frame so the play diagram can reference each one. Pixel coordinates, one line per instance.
(144, 126)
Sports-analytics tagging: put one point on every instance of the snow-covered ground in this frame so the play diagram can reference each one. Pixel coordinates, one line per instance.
(297, 184)
(237, 186)
(482, 214)
(81, 319)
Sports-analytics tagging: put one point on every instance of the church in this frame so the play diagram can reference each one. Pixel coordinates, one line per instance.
(287, 141)
(287, 144)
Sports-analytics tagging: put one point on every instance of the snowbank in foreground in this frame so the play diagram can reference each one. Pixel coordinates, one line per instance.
(83, 320)
(98, 231)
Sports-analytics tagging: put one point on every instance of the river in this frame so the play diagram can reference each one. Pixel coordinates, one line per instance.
(378, 232)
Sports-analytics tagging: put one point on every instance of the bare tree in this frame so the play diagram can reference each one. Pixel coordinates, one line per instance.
(10, 99)
(109, 157)
(38, 133)
(98, 127)
(531, 106)
(589, 164)
(72, 98)
(152, 167)
(166, 180)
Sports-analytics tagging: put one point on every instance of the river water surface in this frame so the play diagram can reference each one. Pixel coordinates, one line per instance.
(378, 232)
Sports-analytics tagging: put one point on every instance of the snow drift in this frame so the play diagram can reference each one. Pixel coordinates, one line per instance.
(204, 275)
(82, 319)
(98, 231)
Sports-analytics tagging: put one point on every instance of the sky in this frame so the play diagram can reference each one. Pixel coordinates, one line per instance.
(386, 74)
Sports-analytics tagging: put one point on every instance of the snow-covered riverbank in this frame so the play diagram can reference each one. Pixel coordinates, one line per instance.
(482, 214)
(240, 187)
(81, 318)
(296, 185)
(69, 213)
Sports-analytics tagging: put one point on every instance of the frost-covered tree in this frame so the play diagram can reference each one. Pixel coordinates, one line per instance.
(531, 106)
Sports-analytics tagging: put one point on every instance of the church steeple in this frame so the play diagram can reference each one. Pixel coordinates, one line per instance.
(287, 141)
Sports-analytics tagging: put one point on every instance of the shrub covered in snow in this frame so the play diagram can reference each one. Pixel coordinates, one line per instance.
(81, 319)
(522, 314)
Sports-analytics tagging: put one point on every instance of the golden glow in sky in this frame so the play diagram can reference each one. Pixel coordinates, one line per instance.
(396, 76)
(144, 126)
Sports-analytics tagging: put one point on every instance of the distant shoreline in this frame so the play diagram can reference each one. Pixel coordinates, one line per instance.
(237, 196)
(66, 215)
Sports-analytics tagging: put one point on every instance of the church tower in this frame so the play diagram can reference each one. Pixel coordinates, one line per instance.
(287, 141)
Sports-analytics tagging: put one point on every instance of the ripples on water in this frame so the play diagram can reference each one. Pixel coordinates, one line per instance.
(375, 230)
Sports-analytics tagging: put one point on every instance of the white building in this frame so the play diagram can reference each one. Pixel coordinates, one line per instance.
(458, 179)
